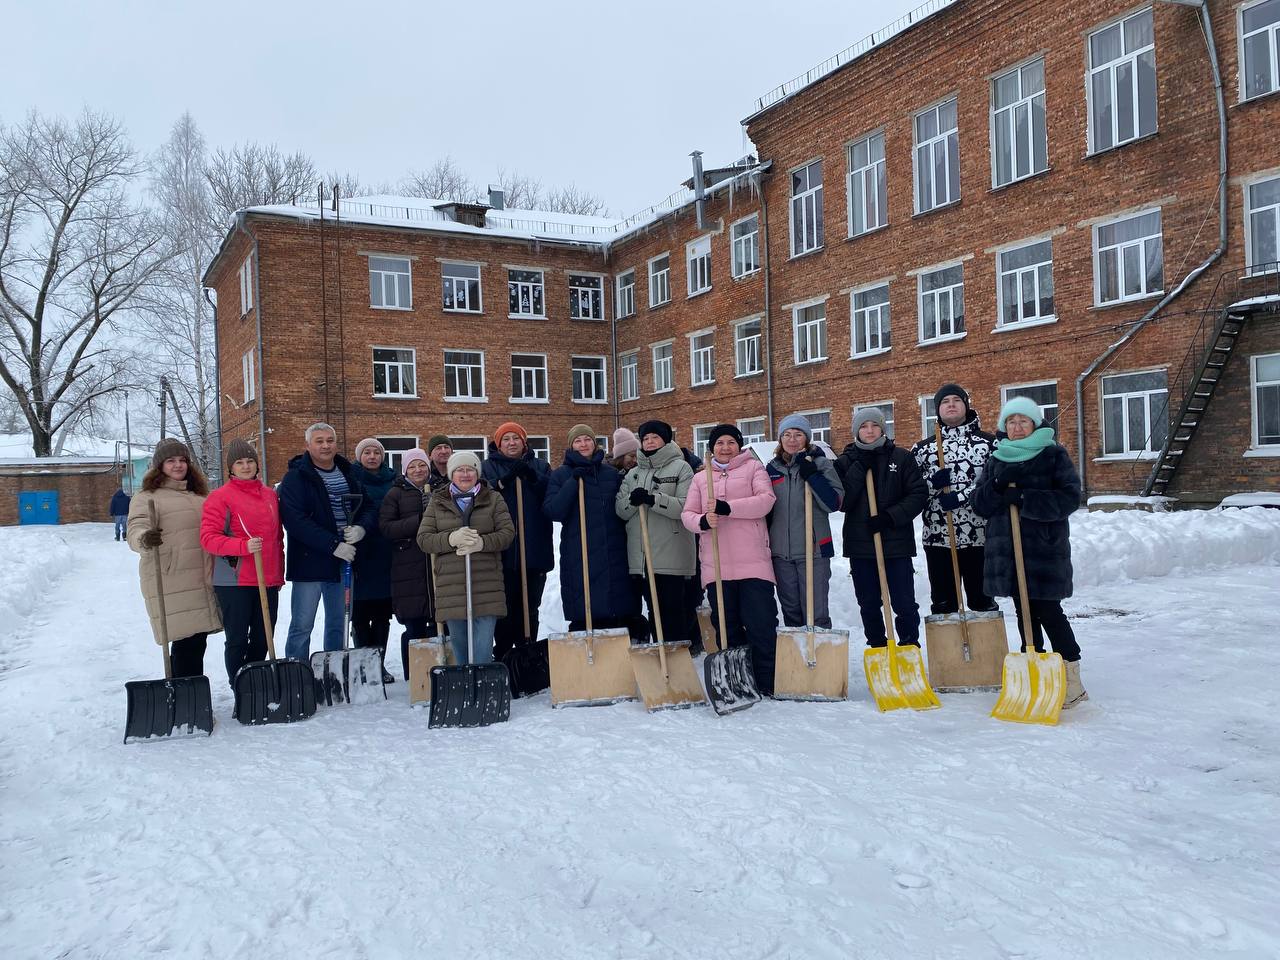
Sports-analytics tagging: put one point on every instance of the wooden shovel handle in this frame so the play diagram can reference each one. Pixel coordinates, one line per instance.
(710, 501)
(524, 573)
(164, 617)
(582, 535)
(653, 589)
(884, 580)
(951, 541)
(262, 595)
(1015, 522)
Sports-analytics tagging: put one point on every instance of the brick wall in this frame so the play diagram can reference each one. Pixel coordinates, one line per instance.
(82, 497)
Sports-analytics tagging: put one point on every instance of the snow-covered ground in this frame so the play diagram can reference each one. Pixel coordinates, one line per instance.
(1144, 826)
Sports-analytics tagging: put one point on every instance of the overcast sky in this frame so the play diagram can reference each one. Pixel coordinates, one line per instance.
(610, 96)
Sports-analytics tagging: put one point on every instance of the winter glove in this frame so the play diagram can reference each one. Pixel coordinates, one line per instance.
(345, 551)
(949, 501)
(1012, 473)
(641, 496)
(521, 470)
(807, 467)
(722, 507)
(879, 523)
(1012, 496)
(471, 546)
(702, 523)
(583, 471)
(940, 478)
(353, 533)
(152, 539)
(463, 536)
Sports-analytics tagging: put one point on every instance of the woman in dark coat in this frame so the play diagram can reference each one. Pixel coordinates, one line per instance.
(1028, 469)
(612, 601)
(398, 521)
(371, 599)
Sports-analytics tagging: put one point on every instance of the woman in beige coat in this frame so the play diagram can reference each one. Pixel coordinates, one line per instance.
(177, 488)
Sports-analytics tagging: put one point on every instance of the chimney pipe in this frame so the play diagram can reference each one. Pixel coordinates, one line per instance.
(496, 198)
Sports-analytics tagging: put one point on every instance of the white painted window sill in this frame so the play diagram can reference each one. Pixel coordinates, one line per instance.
(527, 400)
(466, 399)
(395, 396)
(1143, 457)
(751, 373)
(526, 316)
(1263, 452)
(1025, 324)
(697, 293)
(1154, 295)
(949, 338)
(811, 360)
(407, 309)
(664, 390)
(869, 353)
(473, 313)
(590, 401)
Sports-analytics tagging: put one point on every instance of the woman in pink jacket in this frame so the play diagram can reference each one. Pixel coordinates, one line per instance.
(736, 508)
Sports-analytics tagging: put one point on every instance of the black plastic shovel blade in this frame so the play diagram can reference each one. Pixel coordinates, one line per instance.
(275, 691)
(530, 671)
(471, 696)
(730, 680)
(168, 709)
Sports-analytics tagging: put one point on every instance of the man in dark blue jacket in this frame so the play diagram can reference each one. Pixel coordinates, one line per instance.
(120, 511)
(325, 515)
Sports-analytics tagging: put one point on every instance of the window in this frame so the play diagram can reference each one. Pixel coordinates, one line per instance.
(942, 303)
(1044, 394)
(246, 286)
(461, 287)
(1122, 82)
(1265, 371)
(1259, 30)
(540, 447)
(886, 410)
(1019, 144)
(396, 448)
(928, 415)
(603, 443)
(868, 185)
(1026, 284)
(393, 372)
(529, 378)
(752, 430)
(806, 208)
(810, 328)
(937, 157)
(1129, 258)
(464, 376)
(247, 371)
(389, 283)
(477, 445)
(698, 261)
(663, 374)
(702, 357)
(588, 380)
(625, 298)
(745, 239)
(659, 280)
(870, 327)
(629, 371)
(819, 425)
(701, 437)
(586, 297)
(1262, 224)
(1134, 413)
(524, 294)
(746, 348)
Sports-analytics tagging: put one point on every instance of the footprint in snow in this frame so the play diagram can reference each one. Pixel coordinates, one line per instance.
(911, 881)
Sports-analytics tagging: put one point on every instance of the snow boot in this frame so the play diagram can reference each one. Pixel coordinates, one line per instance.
(1075, 689)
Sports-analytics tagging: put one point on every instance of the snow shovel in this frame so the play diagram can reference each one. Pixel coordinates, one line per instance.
(590, 667)
(426, 653)
(811, 664)
(1035, 684)
(728, 674)
(895, 675)
(965, 650)
(664, 671)
(272, 691)
(710, 642)
(527, 661)
(474, 694)
(172, 708)
(348, 675)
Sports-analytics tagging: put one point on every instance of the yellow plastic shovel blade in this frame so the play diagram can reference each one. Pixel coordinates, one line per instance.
(1034, 687)
(899, 680)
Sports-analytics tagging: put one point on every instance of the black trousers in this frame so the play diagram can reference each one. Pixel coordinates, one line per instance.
(246, 639)
(751, 619)
(1047, 617)
(942, 582)
(371, 622)
(186, 655)
(509, 631)
(900, 576)
(671, 604)
(693, 597)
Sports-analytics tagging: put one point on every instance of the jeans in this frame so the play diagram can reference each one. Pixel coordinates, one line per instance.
(482, 628)
(306, 598)
(902, 597)
(122, 521)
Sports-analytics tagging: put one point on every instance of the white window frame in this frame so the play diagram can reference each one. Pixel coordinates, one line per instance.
(624, 297)
(667, 363)
(1141, 243)
(1251, 259)
(745, 244)
(1007, 117)
(948, 142)
(538, 287)
(701, 437)
(1274, 46)
(890, 427)
(580, 294)
(949, 292)
(807, 204)
(1255, 444)
(385, 273)
(597, 378)
(533, 372)
(248, 370)
(884, 318)
(400, 365)
(871, 178)
(629, 375)
(464, 398)
(739, 349)
(1032, 274)
(1129, 57)
(540, 446)
(818, 433)
(396, 446)
(702, 357)
(927, 419)
(659, 281)
(697, 262)
(1007, 393)
(459, 283)
(820, 324)
(1148, 451)
(477, 445)
(246, 285)
(750, 435)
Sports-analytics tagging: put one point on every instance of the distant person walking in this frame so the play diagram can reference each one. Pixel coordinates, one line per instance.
(120, 511)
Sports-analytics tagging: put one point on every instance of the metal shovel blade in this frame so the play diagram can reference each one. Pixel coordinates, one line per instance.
(348, 676)
(730, 680)
(168, 709)
(811, 665)
(898, 680)
(1035, 684)
(475, 695)
(274, 691)
(677, 687)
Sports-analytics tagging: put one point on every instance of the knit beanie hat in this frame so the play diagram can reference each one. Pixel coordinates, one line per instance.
(240, 450)
(370, 442)
(580, 430)
(510, 427)
(417, 453)
(868, 415)
(659, 427)
(435, 441)
(950, 390)
(724, 430)
(462, 458)
(624, 442)
(796, 421)
(169, 447)
(1021, 405)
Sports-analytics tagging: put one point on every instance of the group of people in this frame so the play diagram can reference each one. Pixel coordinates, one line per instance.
(409, 537)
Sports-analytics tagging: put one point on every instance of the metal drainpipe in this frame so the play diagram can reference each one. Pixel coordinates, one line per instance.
(217, 378)
(257, 318)
(1191, 277)
(768, 340)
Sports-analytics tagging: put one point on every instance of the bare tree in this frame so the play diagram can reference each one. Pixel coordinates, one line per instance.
(251, 174)
(351, 185)
(520, 192)
(76, 253)
(573, 199)
(444, 180)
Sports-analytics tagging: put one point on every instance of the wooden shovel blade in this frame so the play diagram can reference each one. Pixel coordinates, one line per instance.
(898, 681)
(1035, 684)
(423, 655)
(607, 677)
(944, 636)
(824, 677)
(678, 687)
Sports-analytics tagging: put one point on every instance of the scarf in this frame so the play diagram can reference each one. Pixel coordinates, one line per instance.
(879, 442)
(1018, 451)
(461, 499)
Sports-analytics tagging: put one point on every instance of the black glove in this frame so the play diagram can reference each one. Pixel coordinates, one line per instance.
(702, 523)
(522, 470)
(152, 539)
(583, 470)
(940, 478)
(722, 507)
(879, 523)
(1012, 496)
(1010, 473)
(642, 496)
(807, 467)
(949, 501)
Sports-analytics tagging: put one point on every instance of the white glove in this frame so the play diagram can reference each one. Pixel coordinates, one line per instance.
(463, 535)
(472, 547)
(353, 534)
(345, 551)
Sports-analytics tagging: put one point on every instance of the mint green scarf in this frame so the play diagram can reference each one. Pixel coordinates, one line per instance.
(1017, 451)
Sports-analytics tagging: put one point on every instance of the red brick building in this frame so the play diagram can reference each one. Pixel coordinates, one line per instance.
(1017, 196)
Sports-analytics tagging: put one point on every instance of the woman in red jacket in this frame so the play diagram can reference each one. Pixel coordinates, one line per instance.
(242, 518)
